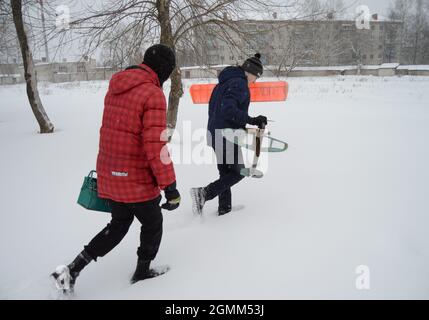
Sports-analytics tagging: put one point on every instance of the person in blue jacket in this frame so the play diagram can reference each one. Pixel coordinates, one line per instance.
(228, 108)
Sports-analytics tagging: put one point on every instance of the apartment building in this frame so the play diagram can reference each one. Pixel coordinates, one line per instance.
(304, 42)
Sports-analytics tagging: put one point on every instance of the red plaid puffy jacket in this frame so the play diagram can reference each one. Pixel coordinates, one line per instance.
(133, 162)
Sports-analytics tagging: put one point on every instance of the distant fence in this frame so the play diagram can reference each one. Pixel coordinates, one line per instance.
(59, 77)
(377, 71)
(384, 70)
(82, 76)
(10, 79)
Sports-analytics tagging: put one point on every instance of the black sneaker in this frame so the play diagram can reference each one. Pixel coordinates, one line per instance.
(198, 196)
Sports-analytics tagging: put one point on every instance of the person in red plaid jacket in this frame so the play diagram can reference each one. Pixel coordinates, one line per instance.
(133, 163)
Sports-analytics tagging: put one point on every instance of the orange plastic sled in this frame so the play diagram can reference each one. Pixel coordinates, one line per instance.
(259, 92)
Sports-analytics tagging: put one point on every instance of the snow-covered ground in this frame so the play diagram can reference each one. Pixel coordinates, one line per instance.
(350, 191)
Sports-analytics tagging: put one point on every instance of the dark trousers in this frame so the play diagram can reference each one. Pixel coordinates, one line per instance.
(150, 216)
(229, 166)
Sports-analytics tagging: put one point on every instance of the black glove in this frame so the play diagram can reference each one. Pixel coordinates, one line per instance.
(259, 121)
(173, 197)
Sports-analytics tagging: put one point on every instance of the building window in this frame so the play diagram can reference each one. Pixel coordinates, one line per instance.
(187, 74)
(364, 56)
(372, 57)
(62, 69)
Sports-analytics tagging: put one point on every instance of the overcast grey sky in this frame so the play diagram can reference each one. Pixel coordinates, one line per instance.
(376, 6)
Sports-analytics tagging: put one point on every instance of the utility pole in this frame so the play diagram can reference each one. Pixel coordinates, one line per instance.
(44, 30)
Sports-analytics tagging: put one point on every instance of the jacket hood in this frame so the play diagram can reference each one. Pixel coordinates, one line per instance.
(127, 79)
(230, 73)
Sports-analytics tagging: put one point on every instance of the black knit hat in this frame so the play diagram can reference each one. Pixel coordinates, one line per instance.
(253, 65)
(161, 59)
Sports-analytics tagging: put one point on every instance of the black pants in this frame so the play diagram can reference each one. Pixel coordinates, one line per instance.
(229, 166)
(150, 216)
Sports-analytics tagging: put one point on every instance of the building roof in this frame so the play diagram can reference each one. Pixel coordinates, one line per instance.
(10, 75)
(414, 67)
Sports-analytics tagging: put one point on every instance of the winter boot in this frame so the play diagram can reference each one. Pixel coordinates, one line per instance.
(198, 196)
(224, 210)
(65, 276)
(144, 272)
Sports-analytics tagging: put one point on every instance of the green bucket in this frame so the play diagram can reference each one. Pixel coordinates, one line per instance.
(88, 197)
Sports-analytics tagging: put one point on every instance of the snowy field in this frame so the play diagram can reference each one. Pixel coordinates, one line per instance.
(352, 190)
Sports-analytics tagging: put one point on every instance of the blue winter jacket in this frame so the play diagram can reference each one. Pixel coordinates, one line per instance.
(229, 102)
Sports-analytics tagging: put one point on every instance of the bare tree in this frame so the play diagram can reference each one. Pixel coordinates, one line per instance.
(171, 22)
(360, 44)
(29, 71)
(414, 38)
(293, 51)
(45, 39)
(420, 27)
(9, 46)
(118, 49)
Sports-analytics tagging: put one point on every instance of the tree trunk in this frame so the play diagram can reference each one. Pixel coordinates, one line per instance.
(29, 70)
(176, 92)
(416, 45)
